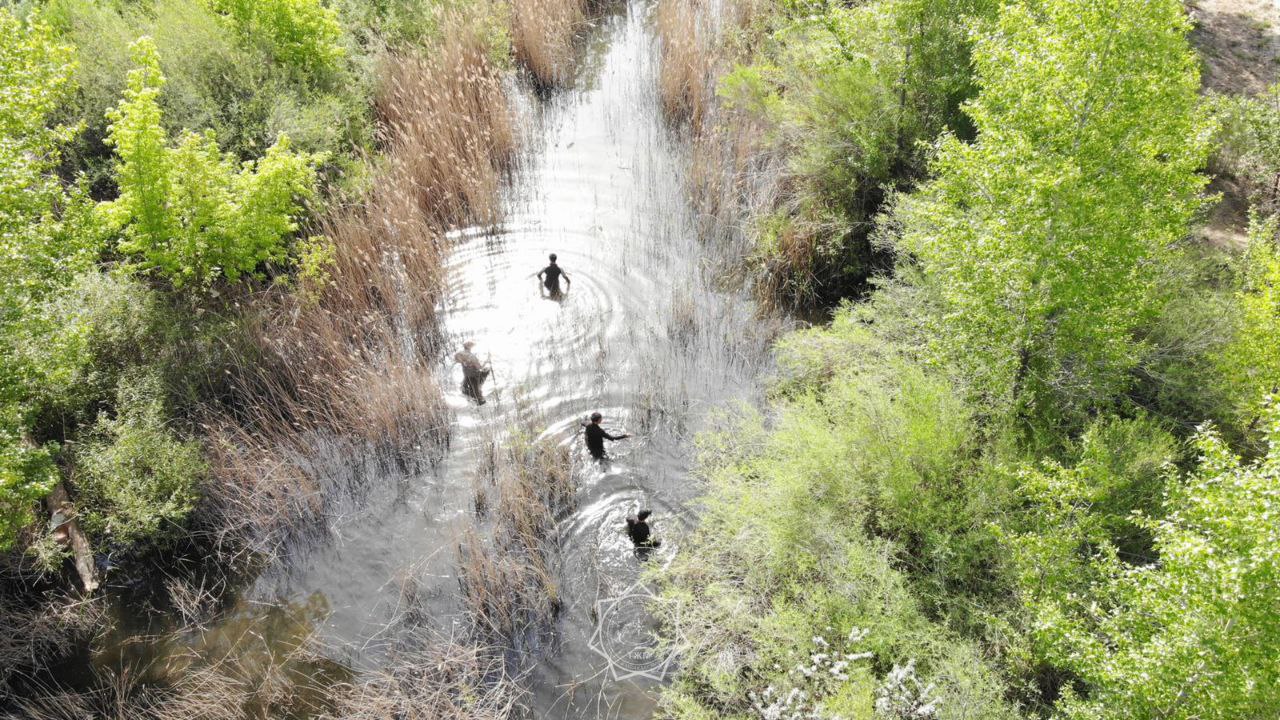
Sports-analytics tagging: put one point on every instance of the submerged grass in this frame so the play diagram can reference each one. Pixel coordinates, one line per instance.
(508, 576)
(426, 676)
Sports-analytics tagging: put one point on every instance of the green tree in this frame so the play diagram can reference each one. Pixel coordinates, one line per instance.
(300, 33)
(190, 212)
(1044, 236)
(36, 250)
(1250, 364)
(847, 94)
(1190, 636)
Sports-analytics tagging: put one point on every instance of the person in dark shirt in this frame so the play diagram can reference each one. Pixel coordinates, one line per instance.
(596, 436)
(638, 530)
(550, 277)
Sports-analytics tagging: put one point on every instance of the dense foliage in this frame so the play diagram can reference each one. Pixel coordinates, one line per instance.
(35, 248)
(1042, 235)
(157, 160)
(848, 94)
(985, 472)
(188, 211)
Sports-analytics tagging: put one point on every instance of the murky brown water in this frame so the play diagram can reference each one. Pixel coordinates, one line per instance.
(642, 336)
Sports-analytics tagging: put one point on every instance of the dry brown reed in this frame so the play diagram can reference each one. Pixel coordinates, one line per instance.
(436, 678)
(351, 359)
(509, 582)
(246, 681)
(688, 58)
(738, 178)
(542, 33)
(700, 40)
(36, 628)
(448, 128)
(232, 673)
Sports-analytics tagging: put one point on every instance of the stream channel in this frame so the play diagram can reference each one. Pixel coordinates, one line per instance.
(646, 335)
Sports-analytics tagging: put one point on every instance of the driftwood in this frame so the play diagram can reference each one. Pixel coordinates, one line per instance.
(66, 530)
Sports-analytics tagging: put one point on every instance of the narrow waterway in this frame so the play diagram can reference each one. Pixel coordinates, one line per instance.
(645, 335)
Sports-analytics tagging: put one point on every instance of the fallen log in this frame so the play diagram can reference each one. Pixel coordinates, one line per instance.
(66, 530)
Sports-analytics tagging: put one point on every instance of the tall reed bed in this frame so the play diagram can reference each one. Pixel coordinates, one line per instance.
(542, 35)
(348, 358)
(427, 676)
(737, 177)
(509, 576)
(688, 57)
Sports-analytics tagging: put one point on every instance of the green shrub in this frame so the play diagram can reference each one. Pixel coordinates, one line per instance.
(188, 211)
(854, 510)
(1189, 636)
(136, 479)
(1249, 365)
(848, 94)
(301, 33)
(84, 340)
(27, 474)
(1250, 145)
(214, 81)
(37, 248)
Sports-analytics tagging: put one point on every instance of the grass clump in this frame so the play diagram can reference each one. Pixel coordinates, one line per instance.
(508, 579)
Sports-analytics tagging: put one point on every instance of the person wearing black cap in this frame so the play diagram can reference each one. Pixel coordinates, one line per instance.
(550, 277)
(638, 530)
(596, 436)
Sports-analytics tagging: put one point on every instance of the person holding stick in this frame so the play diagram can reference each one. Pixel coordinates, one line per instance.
(596, 435)
(474, 372)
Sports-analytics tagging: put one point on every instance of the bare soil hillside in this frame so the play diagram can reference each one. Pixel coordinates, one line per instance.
(1239, 43)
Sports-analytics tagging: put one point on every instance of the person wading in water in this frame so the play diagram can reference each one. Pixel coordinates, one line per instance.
(596, 436)
(550, 277)
(638, 530)
(474, 372)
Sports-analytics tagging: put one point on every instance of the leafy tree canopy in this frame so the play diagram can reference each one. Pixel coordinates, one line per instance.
(1045, 235)
(1189, 636)
(188, 211)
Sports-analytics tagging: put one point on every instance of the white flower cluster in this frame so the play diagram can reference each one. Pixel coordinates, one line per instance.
(814, 681)
(904, 697)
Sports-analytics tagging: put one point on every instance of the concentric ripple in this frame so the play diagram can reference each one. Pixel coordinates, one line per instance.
(641, 336)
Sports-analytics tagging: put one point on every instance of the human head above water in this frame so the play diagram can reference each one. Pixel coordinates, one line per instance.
(643, 515)
(596, 417)
(553, 257)
(469, 344)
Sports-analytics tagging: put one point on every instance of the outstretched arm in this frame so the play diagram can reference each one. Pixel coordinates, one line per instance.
(623, 436)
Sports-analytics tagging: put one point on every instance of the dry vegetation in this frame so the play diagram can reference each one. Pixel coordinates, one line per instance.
(439, 678)
(542, 34)
(349, 358)
(688, 56)
(508, 581)
(737, 176)
(52, 625)
(428, 677)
